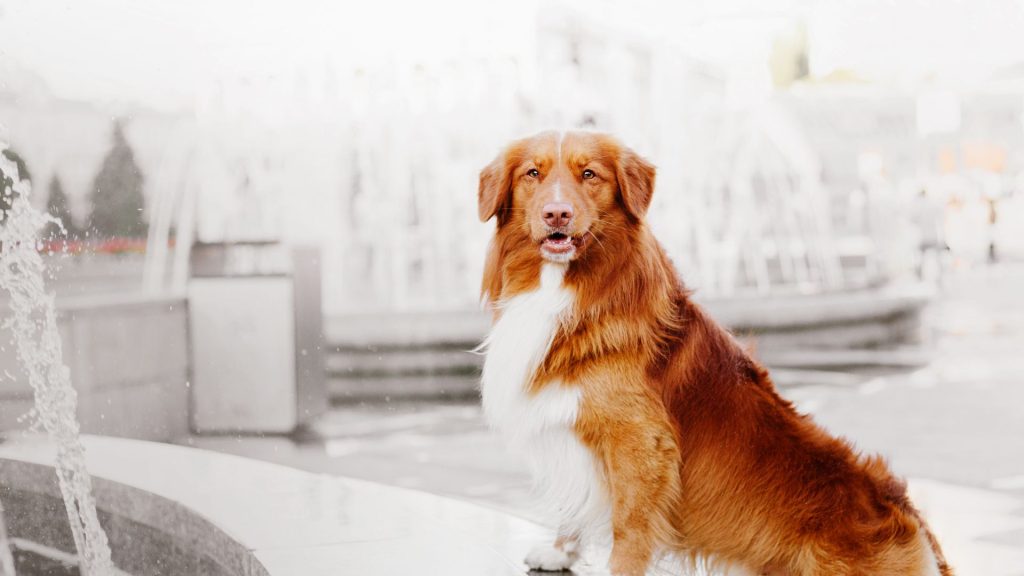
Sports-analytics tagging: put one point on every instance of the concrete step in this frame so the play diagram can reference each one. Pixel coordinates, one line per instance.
(394, 388)
(891, 332)
(841, 359)
(786, 378)
(812, 338)
(451, 374)
(373, 362)
(375, 374)
(456, 328)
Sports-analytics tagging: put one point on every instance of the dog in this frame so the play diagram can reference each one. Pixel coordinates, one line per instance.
(643, 421)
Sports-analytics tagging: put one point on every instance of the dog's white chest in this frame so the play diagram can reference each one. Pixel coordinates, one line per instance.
(540, 426)
(516, 345)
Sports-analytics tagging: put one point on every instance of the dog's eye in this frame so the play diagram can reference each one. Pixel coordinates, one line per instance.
(588, 174)
(533, 173)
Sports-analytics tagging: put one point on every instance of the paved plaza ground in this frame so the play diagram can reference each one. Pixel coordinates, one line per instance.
(955, 428)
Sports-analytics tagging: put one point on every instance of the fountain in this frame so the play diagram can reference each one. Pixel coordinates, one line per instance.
(6, 558)
(34, 324)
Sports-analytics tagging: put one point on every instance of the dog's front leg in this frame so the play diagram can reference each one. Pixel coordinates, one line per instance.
(640, 460)
(555, 557)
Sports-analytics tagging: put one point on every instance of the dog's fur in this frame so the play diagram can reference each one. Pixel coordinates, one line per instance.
(642, 416)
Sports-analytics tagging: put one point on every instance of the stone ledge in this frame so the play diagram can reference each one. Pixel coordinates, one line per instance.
(101, 303)
(254, 518)
(128, 356)
(803, 311)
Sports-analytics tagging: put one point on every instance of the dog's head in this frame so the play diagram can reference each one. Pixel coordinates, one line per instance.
(565, 191)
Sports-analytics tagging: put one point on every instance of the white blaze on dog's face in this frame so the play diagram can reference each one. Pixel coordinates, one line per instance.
(563, 189)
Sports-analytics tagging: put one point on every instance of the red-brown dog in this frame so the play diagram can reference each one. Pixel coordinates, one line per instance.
(641, 417)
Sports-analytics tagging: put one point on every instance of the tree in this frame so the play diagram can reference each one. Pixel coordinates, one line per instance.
(7, 193)
(57, 206)
(117, 200)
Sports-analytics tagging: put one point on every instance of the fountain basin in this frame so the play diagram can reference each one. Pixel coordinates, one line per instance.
(177, 510)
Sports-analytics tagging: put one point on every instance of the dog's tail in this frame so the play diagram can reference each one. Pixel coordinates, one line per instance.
(894, 490)
(943, 567)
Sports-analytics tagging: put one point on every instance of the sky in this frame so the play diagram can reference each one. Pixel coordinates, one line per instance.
(162, 54)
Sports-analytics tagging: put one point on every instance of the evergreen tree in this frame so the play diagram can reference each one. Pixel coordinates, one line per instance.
(57, 206)
(7, 192)
(117, 200)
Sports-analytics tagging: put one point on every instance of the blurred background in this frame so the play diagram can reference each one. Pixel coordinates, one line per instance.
(269, 242)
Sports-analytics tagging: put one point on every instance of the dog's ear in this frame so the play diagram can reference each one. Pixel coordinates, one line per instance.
(636, 182)
(495, 187)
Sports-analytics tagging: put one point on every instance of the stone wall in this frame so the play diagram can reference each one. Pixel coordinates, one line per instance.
(129, 361)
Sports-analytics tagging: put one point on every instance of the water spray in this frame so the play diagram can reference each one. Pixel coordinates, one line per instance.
(34, 324)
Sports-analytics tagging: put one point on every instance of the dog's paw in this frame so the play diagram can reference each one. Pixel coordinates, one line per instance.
(548, 558)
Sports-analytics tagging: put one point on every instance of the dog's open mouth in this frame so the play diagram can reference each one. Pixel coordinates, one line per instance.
(561, 243)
